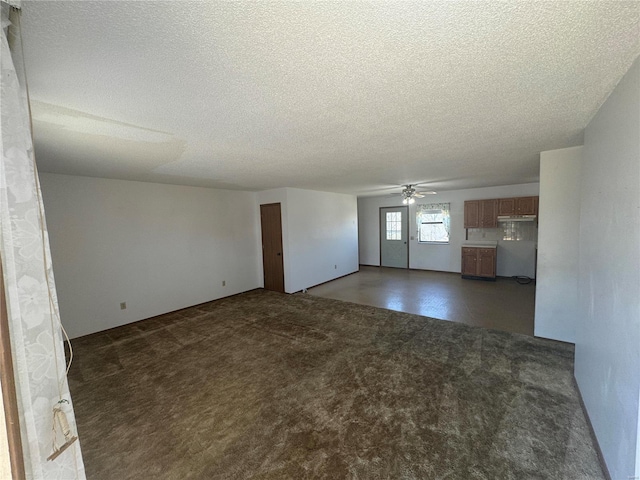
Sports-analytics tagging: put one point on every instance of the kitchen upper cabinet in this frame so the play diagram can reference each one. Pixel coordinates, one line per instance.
(506, 206)
(472, 214)
(518, 206)
(481, 213)
(526, 205)
(479, 262)
(484, 213)
(488, 213)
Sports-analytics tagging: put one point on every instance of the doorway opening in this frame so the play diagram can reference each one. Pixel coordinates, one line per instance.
(394, 237)
(272, 261)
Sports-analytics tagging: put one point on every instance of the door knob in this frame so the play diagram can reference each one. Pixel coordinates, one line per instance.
(279, 253)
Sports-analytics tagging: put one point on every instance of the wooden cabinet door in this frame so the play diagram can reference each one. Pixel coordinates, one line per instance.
(488, 213)
(526, 206)
(469, 261)
(507, 206)
(486, 262)
(472, 214)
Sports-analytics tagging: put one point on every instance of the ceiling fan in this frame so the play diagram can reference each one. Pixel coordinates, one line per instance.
(409, 194)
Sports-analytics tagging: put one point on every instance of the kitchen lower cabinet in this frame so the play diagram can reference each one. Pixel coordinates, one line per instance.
(487, 262)
(479, 262)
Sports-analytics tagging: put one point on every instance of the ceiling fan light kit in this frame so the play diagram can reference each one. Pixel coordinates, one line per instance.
(409, 194)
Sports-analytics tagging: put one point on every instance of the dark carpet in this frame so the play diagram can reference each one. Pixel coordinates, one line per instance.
(270, 386)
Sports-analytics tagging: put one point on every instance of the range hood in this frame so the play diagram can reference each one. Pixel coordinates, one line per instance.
(516, 218)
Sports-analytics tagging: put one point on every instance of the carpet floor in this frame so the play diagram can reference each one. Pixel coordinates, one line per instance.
(269, 386)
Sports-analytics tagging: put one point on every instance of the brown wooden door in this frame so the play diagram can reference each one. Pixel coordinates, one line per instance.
(272, 263)
(471, 214)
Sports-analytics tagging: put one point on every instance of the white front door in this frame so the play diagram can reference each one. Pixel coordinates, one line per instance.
(394, 233)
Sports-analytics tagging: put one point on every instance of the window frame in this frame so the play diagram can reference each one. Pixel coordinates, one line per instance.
(420, 223)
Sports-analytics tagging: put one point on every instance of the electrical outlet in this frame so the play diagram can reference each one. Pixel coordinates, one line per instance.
(123, 306)
(335, 267)
(224, 283)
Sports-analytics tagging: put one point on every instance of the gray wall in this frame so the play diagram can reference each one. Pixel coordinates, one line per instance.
(558, 238)
(323, 236)
(160, 247)
(156, 247)
(607, 364)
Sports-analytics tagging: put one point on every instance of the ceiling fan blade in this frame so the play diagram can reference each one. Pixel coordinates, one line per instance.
(422, 194)
(409, 191)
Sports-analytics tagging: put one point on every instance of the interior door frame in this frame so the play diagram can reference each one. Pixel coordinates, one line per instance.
(406, 207)
(281, 255)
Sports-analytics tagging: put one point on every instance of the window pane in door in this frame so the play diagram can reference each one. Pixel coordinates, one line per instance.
(394, 226)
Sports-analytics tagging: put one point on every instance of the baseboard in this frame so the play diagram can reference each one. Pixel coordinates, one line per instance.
(603, 464)
(533, 279)
(562, 342)
(434, 271)
(165, 313)
(475, 277)
(322, 283)
(411, 268)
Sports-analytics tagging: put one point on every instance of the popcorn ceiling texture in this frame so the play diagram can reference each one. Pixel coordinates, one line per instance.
(338, 96)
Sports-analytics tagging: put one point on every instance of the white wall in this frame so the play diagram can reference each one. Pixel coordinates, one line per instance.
(320, 236)
(156, 247)
(512, 258)
(607, 364)
(323, 236)
(558, 238)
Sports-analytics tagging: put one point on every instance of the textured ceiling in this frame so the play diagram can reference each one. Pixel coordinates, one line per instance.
(339, 96)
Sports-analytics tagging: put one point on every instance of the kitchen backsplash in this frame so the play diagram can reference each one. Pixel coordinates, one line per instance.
(506, 231)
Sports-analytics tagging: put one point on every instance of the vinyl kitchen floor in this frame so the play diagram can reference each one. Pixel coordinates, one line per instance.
(502, 305)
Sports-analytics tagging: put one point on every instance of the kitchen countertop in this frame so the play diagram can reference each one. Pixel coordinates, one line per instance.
(481, 244)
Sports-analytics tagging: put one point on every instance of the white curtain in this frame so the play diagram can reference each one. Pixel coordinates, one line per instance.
(36, 338)
(434, 212)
